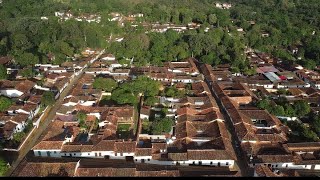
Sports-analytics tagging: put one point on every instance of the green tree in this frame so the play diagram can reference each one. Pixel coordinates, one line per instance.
(5, 103)
(289, 110)
(82, 119)
(123, 96)
(160, 126)
(150, 101)
(3, 72)
(170, 91)
(301, 108)
(3, 166)
(105, 84)
(278, 110)
(17, 137)
(316, 124)
(47, 98)
(27, 72)
(263, 104)
(309, 134)
(25, 59)
(212, 19)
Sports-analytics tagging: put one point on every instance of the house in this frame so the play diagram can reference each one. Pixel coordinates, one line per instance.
(29, 109)
(13, 89)
(145, 112)
(57, 70)
(108, 57)
(9, 125)
(5, 61)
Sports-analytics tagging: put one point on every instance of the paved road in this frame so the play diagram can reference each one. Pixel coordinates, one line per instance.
(35, 137)
(241, 161)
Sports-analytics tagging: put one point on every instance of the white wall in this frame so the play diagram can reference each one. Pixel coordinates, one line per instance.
(43, 153)
(11, 93)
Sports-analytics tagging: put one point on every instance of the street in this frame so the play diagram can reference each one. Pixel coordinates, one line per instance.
(241, 161)
(35, 137)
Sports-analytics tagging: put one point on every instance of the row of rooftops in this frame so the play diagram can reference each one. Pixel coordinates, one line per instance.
(111, 168)
(263, 137)
(83, 17)
(216, 144)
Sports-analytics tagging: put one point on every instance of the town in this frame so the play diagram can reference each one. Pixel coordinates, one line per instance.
(193, 115)
(138, 104)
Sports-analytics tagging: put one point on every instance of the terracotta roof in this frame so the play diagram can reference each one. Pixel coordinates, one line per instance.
(25, 86)
(156, 147)
(8, 129)
(264, 171)
(143, 152)
(125, 147)
(36, 99)
(104, 145)
(5, 59)
(178, 156)
(208, 155)
(48, 145)
(76, 148)
(161, 173)
(107, 172)
(34, 169)
(145, 110)
(91, 118)
(305, 147)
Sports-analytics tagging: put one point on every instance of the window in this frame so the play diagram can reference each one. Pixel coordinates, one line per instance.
(227, 163)
(211, 162)
(54, 152)
(116, 154)
(88, 154)
(148, 159)
(39, 153)
(277, 165)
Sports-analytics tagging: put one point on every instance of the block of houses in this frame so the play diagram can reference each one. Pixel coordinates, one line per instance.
(14, 89)
(11, 124)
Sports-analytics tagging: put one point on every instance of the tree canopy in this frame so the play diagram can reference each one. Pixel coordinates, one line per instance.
(3, 166)
(105, 84)
(5, 103)
(128, 92)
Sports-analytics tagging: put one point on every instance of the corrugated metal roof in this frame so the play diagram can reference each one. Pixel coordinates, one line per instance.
(272, 76)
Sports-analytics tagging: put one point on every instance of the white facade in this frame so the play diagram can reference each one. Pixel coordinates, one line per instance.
(11, 93)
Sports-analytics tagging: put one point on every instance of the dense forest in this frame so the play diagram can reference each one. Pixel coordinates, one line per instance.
(290, 23)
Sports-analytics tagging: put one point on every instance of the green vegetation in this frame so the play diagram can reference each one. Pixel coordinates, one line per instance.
(47, 99)
(3, 167)
(128, 92)
(283, 108)
(3, 72)
(289, 23)
(82, 120)
(105, 84)
(123, 127)
(172, 91)
(151, 101)
(303, 133)
(29, 39)
(18, 137)
(5, 103)
(160, 126)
